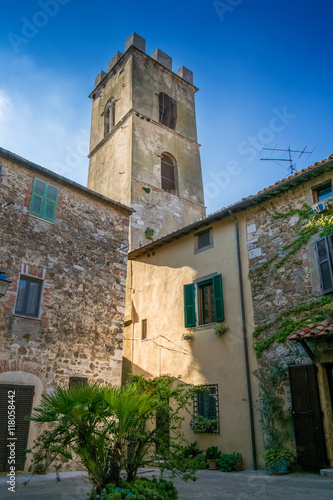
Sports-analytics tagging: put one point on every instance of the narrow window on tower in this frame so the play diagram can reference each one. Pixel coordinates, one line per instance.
(168, 182)
(109, 115)
(168, 110)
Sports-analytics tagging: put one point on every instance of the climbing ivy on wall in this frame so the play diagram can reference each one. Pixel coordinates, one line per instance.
(291, 320)
(313, 311)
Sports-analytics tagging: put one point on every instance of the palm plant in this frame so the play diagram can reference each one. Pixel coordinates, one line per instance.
(92, 422)
(107, 429)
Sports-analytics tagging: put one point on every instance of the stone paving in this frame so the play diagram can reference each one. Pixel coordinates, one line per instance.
(211, 485)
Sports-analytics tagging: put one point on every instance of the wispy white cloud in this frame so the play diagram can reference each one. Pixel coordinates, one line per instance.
(44, 117)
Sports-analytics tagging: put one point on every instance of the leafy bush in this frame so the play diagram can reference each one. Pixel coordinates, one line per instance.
(229, 462)
(192, 450)
(193, 457)
(212, 452)
(140, 489)
(200, 462)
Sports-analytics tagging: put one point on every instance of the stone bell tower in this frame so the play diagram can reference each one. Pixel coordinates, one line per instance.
(143, 146)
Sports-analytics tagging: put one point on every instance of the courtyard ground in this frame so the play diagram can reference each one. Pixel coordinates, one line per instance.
(211, 485)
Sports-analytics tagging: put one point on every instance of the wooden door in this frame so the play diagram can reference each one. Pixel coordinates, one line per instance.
(23, 396)
(307, 416)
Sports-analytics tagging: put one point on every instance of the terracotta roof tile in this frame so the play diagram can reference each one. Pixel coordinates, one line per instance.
(313, 330)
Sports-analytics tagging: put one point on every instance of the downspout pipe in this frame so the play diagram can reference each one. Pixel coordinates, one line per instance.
(245, 344)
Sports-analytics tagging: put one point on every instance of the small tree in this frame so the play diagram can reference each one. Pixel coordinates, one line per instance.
(112, 428)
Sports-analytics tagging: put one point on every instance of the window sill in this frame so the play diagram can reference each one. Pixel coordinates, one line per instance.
(15, 315)
(199, 250)
(207, 325)
(40, 218)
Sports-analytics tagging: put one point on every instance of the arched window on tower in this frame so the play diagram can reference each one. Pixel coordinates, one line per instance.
(168, 166)
(109, 115)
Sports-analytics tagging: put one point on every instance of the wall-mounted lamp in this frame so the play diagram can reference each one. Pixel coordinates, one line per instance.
(4, 283)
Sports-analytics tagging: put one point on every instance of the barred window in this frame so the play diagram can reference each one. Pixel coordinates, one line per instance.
(206, 409)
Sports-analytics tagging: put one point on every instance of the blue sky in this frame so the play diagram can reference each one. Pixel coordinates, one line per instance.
(264, 70)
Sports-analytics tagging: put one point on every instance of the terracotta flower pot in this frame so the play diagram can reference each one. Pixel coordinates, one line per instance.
(212, 464)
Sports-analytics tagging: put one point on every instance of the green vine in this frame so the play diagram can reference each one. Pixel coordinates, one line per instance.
(291, 320)
(303, 214)
(315, 224)
(275, 418)
(305, 234)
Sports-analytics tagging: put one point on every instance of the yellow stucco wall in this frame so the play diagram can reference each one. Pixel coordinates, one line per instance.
(155, 293)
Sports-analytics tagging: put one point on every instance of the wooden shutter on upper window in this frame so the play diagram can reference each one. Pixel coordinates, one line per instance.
(44, 199)
(218, 298)
(51, 202)
(37, 197)
(173, 113)
(323, 247)
(189, 305)
(168, 110)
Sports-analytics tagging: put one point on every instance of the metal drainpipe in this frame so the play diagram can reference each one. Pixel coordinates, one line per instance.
(246, 349)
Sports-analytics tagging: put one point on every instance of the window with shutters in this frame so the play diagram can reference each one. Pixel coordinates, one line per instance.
(109, 115)
(206, 409)
(28, 297)
(168, 110)
(44, 199)
(168, 182)
(324, 250)
(23, 405)
(203, 302)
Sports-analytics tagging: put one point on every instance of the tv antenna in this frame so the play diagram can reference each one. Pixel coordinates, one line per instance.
(286, 155)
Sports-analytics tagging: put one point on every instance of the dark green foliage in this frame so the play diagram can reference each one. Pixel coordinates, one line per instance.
(276, 421)
(192, 450)
(200, 462)
(149, 233)
(212, 452)
(275, 456)
(140, 489)
(229, 462)
(194, 456)
(147, 190)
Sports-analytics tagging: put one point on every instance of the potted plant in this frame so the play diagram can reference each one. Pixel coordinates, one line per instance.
(220, 329)
(278, 460)
(212, 454)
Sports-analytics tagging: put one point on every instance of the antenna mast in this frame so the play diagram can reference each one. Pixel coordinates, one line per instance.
(287, 155)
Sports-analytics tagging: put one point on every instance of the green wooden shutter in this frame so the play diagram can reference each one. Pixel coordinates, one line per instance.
(37, 198)
(44, 200)
(50, 202)
(189, 305)
(218, 298)
(325, 265)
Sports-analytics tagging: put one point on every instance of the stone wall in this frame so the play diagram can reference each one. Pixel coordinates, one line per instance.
(81, 259)
(280, 284)
(277, 288)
